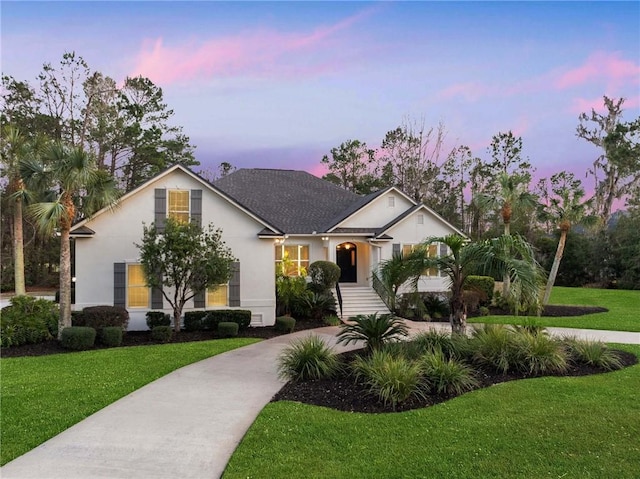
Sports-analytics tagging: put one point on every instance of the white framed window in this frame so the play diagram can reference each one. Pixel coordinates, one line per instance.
(218, 296)
(292, 260)
(137, 289)
(433, 251)
(179, 205)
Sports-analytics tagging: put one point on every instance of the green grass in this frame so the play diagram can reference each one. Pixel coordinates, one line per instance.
(579, 427)
(623, 306)
(43, 396)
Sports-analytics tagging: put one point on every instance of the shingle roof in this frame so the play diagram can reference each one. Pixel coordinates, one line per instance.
(295, 202)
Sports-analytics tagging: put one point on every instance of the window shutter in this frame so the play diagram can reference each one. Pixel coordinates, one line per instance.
(196, 207)
(443, 250)
(160, 208)
(198, 300)
(157, 300)
(396, 249)
(120, 284)
(234, 284)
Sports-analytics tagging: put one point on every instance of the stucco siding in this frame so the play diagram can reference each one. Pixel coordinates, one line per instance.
(379, 212)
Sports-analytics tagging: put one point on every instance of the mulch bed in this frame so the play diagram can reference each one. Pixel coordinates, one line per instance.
(344, 393)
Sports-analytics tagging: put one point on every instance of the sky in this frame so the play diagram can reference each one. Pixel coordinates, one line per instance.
(278, 84)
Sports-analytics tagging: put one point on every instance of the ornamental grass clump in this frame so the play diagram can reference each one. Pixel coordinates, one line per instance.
(538, 354)
(374, 330)
(307, 359)
(592, 353)
(392, 378)
(448, 376)
(494, 346)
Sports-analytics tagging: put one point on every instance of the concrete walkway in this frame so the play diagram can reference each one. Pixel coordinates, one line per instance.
(188, 423)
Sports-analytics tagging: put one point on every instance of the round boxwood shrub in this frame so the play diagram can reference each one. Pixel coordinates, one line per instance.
(324, 275)
(161, 334)
(78, 338)
(111, 336)
(157, 318)
(227, 329)
(285, 324)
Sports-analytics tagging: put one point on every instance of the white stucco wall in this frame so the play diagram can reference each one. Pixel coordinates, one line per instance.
(378, 213)
(117, 232)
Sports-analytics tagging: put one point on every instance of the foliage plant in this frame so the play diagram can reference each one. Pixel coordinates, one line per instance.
(324, 275)
(375, 330)
(494, 346)
(227, 329)
(99, 317)
(332, 320)
(285, 324)
(78, 338)
(28, 320)
(392, 378)
(289, 291)
(306, 359)
(593, 353)
(159, 318)
(162, 334)
(182, 260)
(538, 353)
(110, 336)
(446, 375)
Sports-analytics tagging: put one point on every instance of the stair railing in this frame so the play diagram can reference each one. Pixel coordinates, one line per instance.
(386, 295)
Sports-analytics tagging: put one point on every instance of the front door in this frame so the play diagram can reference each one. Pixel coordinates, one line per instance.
(347, 259)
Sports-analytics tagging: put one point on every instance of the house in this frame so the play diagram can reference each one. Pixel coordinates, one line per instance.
(265, 215)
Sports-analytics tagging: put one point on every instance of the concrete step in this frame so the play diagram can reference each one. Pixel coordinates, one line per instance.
(357, 300)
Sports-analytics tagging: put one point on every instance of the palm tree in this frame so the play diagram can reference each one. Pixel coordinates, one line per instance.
(565, 210)
(392, 274)
(485, 257)
(81, 189)
(512, 195)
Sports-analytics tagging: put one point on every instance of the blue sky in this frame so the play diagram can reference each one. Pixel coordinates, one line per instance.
(264, 84)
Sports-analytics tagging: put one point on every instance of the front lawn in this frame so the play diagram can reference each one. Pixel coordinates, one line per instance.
(623, 306)
(42, 396)
(578, 427)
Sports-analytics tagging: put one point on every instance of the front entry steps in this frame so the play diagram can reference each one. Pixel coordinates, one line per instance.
(357, 300)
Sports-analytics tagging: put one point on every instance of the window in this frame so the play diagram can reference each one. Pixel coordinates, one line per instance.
(432, 252)
(179, 205)
(218, 296)
(292, 260)
(137, 290)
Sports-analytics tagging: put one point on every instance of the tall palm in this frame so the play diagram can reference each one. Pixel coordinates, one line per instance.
(392, 274)
(512, 195)
(566, 210)
(484, 257)
(81, 189)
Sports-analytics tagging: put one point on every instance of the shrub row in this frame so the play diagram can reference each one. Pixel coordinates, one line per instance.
(98, 317)
(209, 320)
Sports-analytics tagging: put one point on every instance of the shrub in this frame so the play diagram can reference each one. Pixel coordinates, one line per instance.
(436, 306)
(315, 305)
(28, 320)
(159, 318)
(493, 346)
(162, 334)
(289, 290)
(242, 317)
(447, 375)
(78, 338)
(98, 317)
(332, 320)
(593, 353)
(324, 275)
(196, 321)
(471, 300)
(227, 329)
(285, 324)
(308, 358)
(537, 353)
(484, 311)
(483, 285)
(374, 330)
(394, 379)
(111, 336)
(452, 346)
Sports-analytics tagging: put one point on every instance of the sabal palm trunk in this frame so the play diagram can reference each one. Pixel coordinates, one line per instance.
(506, 280)
(65, 281)
(18, 249)
(554, 267)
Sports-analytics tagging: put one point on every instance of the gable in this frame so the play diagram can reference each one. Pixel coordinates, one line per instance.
(383, 209)
(417, 224)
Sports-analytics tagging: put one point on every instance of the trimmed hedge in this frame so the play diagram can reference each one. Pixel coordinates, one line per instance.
(324, 275)
(111, 336)
(78, 338)
(162, 334)
(157, 318)
(285, 324)
(209, 320)
(483, 285)
(98, 317)
(28, 321)
(227, 329)
(195, 321)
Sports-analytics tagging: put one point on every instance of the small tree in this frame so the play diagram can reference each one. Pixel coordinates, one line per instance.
(183, 260)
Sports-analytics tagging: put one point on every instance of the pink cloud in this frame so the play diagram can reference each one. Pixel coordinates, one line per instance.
(471, 91)
(585, 105)
(607, 66)
(259, 53)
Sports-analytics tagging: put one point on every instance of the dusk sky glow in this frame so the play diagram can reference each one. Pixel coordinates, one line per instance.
(277, 85)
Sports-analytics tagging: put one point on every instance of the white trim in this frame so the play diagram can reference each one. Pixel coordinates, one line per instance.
(429, 210)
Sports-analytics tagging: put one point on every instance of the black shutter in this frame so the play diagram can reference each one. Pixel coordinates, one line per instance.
(120, 284)
(198, 300)
(234, 284)
(157, 300)
(443, 250)
(160, 209)
(396, 249)
(196, 207)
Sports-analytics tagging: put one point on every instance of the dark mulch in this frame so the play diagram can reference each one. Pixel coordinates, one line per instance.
(344, 393)
(143, 338)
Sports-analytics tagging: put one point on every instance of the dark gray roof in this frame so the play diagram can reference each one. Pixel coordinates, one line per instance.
(355, 206)
(292, 201)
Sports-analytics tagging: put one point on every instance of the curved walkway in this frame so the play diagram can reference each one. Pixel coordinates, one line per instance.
(188, 423)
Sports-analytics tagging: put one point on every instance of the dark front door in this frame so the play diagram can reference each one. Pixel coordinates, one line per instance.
(347, 259)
